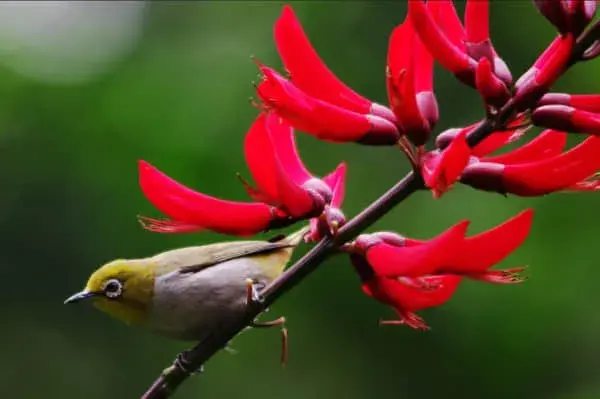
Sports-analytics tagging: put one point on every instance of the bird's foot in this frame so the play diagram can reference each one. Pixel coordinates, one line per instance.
(252, 292)
(279, 322)
(253, 297)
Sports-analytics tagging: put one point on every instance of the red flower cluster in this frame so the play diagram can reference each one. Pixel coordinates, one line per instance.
(411, 275)
(405, 273)
(286, 191)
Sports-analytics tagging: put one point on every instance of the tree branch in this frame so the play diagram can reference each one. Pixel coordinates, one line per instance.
(195, 358)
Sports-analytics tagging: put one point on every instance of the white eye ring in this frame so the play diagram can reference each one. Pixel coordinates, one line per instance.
(113, 288)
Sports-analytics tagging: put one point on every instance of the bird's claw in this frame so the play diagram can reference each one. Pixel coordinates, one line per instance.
(252, 294)
(253, 297)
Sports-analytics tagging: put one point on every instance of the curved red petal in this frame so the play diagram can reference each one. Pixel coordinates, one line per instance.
(405, 298)
(440, 170)
(548, 144)
(491, 88)
(423, 64)
(482, 251)
(260, 160)
(497, 140)
(556, 173)
(295, 200)
(400, 47)
(406, 109)
(477, 21)
(308, 71)
(393, 261)
(444, 13)
(283, 143)
(193, 208)
(440, 46)
(336, 180)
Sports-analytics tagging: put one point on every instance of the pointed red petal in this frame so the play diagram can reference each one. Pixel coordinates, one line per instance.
(438, 43)
(548, 144)
(336, 180)
(400, 47)
(492, 89)
(497, 140)
(444, 13)
(407, 299)
(392, 261)
(193, 208)
(544, 72)
(308, 70)
(423, 68)
(282, 139)
(261, 162)
(441, 170)
(477, 21)
(482, 251)
(557, 173)
(413, 124)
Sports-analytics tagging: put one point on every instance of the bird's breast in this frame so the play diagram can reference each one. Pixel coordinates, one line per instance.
(187, 306)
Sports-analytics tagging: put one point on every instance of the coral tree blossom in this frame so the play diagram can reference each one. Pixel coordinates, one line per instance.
(411, 275)
(286, 191)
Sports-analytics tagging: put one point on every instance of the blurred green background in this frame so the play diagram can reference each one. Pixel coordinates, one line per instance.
(86, 89)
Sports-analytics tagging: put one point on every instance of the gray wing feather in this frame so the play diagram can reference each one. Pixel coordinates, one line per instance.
(194, 259)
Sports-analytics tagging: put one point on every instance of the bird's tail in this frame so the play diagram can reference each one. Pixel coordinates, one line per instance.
(275, 263)
(294, 239)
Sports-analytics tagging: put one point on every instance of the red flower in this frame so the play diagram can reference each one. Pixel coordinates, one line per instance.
(286, 192)
(442, 168)
(410, 83)
(449, 253)
(405, 296)
(325, 120)
(411, 275)
(310, 74)
(458, 49)
(538, 79)
(406, 299)
(537, 176)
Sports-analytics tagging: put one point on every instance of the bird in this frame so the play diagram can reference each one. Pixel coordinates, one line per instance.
(185, 293)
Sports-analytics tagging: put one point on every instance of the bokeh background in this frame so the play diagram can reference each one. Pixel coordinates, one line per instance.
(88, 88)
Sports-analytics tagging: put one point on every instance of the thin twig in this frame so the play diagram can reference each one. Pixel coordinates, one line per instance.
(194, 359)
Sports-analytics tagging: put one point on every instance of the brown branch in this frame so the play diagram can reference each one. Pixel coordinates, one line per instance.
(195, 358)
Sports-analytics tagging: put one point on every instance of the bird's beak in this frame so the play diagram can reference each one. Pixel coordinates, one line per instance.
(79, 296)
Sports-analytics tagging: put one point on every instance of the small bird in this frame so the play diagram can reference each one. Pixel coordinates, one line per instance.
(185, 293)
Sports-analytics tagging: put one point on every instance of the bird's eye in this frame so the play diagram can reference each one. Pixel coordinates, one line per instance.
(113, 288)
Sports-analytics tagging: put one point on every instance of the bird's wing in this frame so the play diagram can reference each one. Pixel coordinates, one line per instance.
(194, 259)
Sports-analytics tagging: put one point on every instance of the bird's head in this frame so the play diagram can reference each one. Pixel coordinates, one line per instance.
(122, 288)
